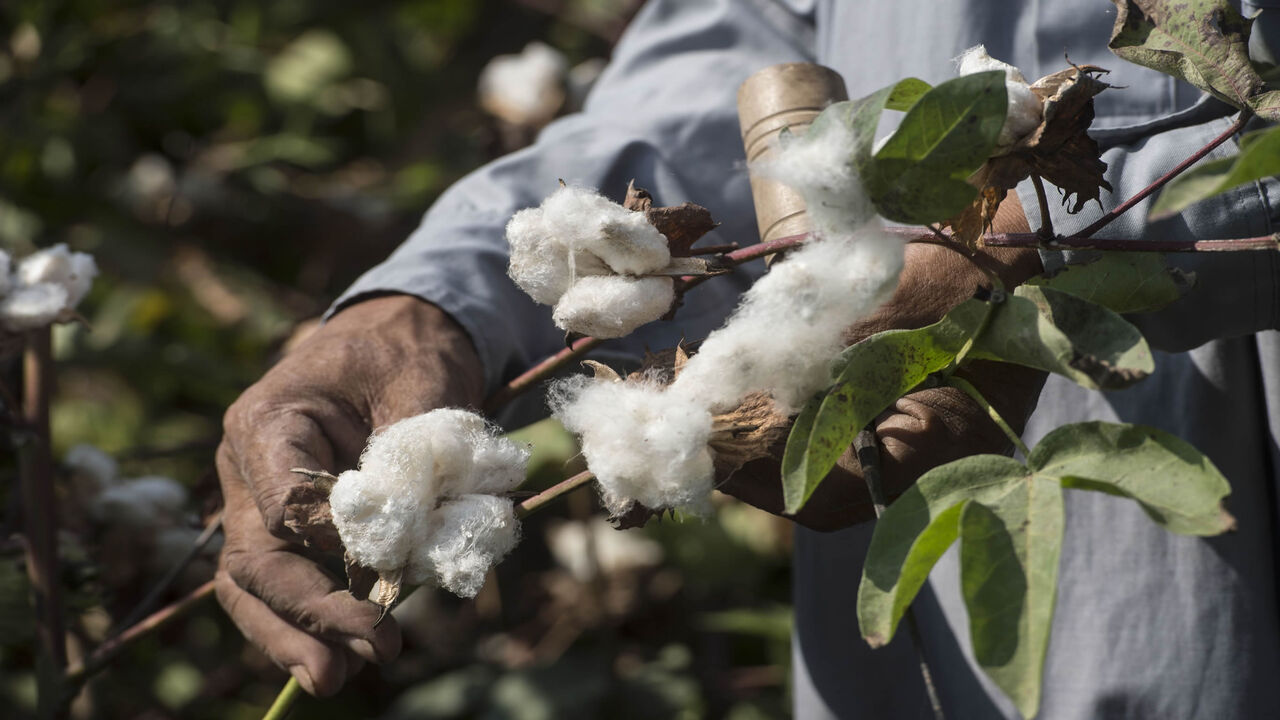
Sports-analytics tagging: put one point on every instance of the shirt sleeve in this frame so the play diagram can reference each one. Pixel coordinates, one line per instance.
(663, 113)
(1235, 293)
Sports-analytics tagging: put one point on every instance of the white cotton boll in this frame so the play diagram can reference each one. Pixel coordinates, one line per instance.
(385, 510)
(1025, 109)
(612, 306)
(538, 262)
(585, 221)
(818, 165)
(791, 323)
(141, 502)
(467, 536)
(615, 551)
(527, 88)
(93, 464)
(27, 307)
(57, 265)
(644, 444)
(377, 517)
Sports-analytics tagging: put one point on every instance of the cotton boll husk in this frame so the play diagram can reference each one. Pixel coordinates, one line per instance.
(377, 516)
(57, 265)
(87, 461)
(467, 536)
(1025, 108)
(31, 306)
(817, 165)
(791, 323)
(612, 306)
(643, 443)
(141, 502)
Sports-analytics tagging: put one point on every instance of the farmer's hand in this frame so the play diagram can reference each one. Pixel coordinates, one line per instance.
(930, 427)
(373, 363)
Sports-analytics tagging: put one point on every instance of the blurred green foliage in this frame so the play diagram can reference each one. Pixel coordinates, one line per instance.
(233, 165)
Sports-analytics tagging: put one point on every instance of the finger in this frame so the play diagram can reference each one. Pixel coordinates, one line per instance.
(319, 668)
(303, 593)
(296, 588)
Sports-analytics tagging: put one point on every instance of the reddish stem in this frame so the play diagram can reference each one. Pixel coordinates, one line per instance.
(548, 367)
(39, 501)
(1163, 179)
(535, 503)
(1032, 240)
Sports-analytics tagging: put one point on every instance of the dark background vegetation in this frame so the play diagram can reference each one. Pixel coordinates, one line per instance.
(233, 166)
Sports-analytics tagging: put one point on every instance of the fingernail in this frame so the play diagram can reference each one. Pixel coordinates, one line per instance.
(364, 649)
(303, 676)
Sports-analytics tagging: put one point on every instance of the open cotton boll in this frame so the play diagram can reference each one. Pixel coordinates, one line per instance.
(791, 323)
(624, 239)
(526, 88)
(535, 266)
(386, 511)
(74, 271)
(89, 462)
(467, 536)
(141, 502)
(27, 307)
(643, 443)
(817, 165)
(612, 306)
(1026, 110)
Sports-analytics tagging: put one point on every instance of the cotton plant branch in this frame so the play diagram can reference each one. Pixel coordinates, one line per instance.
(40, 509)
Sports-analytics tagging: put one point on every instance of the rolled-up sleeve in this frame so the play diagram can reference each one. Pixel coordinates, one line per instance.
(663, 113)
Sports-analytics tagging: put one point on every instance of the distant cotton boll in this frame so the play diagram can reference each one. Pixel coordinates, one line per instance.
(612, 306)
(527, 88)
(56, 264)
(92, 464)
(817, 165)
(141, 502)
(643, 443)
(27, 307)
(791, 323)
(1026, 110)
(467, 535)
(615, 551)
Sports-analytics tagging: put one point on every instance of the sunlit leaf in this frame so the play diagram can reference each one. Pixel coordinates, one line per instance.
(1259, 158)
(1057, 332)
(1177, 485)
(1009, 552)
(918, 176)
(869, 377)
(1120, 281)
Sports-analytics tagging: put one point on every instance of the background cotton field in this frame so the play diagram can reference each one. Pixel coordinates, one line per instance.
(231, 166)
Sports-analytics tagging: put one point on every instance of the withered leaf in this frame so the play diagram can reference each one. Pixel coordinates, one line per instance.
(637, 516)
(386, 592)
(360, 579)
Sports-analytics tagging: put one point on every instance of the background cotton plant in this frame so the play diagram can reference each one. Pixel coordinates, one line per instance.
(45, 287)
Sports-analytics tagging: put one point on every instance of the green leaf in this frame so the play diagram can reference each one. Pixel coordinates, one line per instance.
(1009, 550)
(1259, 157)
(863, 115)
(914, 532)
(1057, 332)
(905, 94)
(919, 175)
(869, 377)
(1174, 483)
(1205, 42)
(795, 458)
(1124, 282)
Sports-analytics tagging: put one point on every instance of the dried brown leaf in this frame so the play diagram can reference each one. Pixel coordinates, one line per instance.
(682, 225)
(307, 513)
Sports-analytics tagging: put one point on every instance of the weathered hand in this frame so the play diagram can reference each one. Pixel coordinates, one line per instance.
(930, 427)
(374, 363)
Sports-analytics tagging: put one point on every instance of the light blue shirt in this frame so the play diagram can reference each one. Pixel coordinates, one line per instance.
(1148, 624)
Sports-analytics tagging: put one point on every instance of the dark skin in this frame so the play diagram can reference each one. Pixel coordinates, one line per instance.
(393, 357)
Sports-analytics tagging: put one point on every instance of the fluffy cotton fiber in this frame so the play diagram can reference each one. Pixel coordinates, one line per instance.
(579, 238)
(1025, 109)
(646, 442)
(423, 500)
(46, 287)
